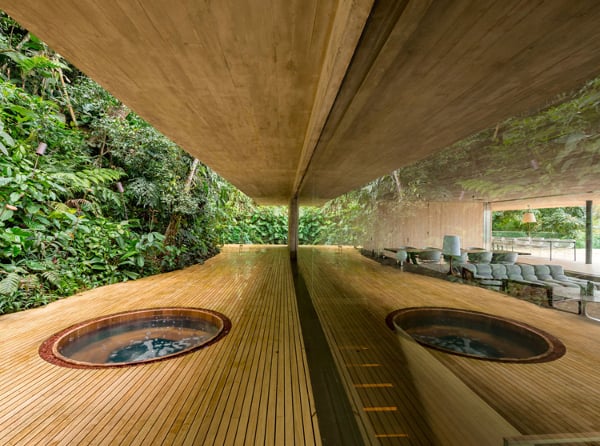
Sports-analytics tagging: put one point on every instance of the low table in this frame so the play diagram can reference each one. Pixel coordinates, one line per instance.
(585, 300)
(568, 294)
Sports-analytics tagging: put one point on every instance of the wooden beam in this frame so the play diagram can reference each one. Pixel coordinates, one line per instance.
(293, 220)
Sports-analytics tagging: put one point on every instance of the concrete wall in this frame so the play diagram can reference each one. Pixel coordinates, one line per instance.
(425, 224)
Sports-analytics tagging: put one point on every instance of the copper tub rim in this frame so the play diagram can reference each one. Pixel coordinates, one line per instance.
(48, 350)
(556, 349)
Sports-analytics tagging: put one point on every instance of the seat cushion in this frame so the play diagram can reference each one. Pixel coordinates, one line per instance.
(480, 257)
(514, 272)
(469, 267)
(528, 273)
(542, 272)
(491, 283)
(556, 270)
(430, 255)
(484, 271)
(505, 257)
(499, 271)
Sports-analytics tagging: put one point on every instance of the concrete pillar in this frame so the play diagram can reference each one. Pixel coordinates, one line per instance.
(487, 226)
(588, 232)
(293, 216)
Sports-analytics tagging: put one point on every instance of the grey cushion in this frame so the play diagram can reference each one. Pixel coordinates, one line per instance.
(430, 255)
(471, 268)
(558, 273)
(499, 271)
(508, 258)
(528, 273)
(542, 272)
(480, 257)
(514, 272)
(556, 270)
(491, 283)
(484, 271)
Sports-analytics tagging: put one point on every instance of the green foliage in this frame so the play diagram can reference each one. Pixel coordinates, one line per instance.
(30, 63)
(63, 225)
(567, 222)
(311, 224)
(246, 223)
(10, 284)
(347, 219)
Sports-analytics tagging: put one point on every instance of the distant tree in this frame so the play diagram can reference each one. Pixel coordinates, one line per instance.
(567, 222)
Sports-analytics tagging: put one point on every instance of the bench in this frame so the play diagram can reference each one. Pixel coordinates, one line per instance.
(523, 280)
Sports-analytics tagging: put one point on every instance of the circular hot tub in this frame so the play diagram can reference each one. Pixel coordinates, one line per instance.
(135, 337)
(476, 335)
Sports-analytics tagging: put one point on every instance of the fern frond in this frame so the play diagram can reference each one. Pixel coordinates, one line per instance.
(101, 175)
(10, 284)
(53, 277)
(61, 207)
(83, 180)
(145, 192)
(77, 203)
(30, 282)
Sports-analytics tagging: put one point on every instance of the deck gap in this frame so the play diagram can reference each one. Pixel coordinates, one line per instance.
(337, 422)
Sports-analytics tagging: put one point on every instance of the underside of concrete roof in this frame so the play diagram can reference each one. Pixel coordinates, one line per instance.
(314, 98)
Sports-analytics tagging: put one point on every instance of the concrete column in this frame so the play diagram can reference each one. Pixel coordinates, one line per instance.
(293, 215)
(588, 232)
(487, 226)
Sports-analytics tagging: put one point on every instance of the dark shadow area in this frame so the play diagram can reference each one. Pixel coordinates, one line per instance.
(337, 422)
(362, 312)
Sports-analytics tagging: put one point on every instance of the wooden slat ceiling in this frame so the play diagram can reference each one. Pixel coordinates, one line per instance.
(317, 97)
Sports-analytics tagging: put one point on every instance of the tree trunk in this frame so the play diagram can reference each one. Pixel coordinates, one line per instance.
(172, 228)
(102, 149)
(191, 175)
(67, 98)
(175, 220)
(398, 184)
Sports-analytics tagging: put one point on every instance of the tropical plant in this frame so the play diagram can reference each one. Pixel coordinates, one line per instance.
(64, 225)
(562, 222)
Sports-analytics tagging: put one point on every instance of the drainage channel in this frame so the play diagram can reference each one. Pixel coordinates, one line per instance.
(337, 422)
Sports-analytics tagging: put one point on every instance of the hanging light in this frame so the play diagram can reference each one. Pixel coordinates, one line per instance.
(529, 216)
(121, 189)
(41, 149)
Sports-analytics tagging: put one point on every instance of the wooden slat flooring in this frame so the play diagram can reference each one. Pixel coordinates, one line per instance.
(353, 295)
(250, 388)
(253, 387)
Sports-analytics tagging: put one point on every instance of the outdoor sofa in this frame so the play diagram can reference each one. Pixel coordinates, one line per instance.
(497, 276)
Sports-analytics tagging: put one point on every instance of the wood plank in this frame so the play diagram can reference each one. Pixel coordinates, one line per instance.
(253, 386)
(219, 394)
(353, 296)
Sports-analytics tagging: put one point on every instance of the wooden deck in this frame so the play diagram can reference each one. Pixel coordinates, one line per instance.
(253, 387)
(354, 294)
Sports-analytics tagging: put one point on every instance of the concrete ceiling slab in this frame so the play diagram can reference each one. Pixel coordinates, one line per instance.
(313, 98)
